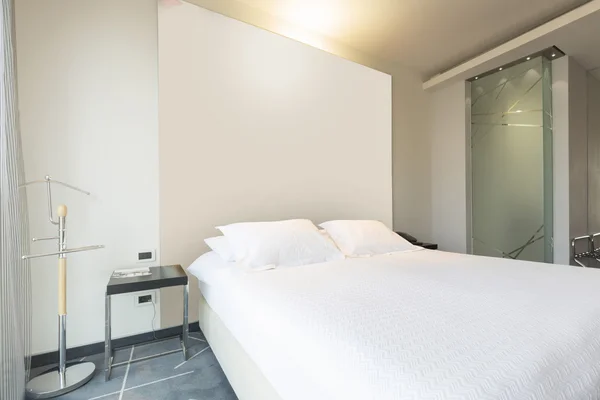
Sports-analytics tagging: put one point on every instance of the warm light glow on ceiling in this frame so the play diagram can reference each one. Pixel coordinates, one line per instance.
(301, 35)
(321, 16)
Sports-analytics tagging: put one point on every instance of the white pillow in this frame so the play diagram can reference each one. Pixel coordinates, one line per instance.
(279, 243)
(365, 238)
(211, 269)
(220, 245)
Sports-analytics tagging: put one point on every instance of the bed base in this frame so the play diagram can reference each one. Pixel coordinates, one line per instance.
(245, 377)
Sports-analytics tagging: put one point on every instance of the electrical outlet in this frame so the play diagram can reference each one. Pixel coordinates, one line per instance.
(144, 299)
(146, 256)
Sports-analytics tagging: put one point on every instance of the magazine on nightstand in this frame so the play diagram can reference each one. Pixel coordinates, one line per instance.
(131, 272)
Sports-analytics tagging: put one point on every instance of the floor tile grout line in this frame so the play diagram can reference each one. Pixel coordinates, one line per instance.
(123, 389)
(200, 352)
(152, 356)
(104, 395)
(156, 341)
(126, 373)
(159, 380)
(142, 385)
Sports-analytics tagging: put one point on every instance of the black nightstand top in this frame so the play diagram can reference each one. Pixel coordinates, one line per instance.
(165, 276)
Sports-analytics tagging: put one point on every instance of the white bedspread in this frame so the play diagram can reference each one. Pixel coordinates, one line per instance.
(419, 325)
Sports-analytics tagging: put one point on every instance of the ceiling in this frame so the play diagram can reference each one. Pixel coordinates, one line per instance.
(576, 33)
(428, 35)
(581, 40)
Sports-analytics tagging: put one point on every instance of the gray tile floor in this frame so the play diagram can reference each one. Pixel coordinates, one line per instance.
(165, 377)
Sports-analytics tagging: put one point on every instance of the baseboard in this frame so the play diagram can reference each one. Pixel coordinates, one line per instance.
(40, 360)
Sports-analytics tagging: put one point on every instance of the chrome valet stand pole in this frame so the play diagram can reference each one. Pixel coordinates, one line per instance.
(65, 378)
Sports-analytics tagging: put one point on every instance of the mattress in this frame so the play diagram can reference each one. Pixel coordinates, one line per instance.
(416, 325)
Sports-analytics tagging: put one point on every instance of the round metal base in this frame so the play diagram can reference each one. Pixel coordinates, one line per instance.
(49, 384)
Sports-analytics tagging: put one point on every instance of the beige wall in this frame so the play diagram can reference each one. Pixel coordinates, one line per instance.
(254, 126)
(410, 113)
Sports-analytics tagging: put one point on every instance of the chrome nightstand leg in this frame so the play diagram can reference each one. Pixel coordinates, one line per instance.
(186, 326)
(107, 339)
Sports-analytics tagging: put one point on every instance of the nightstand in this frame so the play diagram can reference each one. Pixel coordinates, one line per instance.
(160, 277)
(414, 241)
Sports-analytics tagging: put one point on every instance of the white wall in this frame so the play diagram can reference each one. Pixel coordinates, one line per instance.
(578, 150)
(450, 223)
(88, 100)
(411, 155)
(593, 97)
(569, 103)
(256, 126)
(560, 135)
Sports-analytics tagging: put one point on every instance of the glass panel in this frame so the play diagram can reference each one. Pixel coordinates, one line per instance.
(509, 154)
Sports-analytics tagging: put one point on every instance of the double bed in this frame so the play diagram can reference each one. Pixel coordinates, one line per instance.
(418, 324)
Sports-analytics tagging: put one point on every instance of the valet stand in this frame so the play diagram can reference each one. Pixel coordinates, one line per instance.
(62, 379)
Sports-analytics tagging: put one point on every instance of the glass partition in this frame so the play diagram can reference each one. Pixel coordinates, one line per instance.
(511, 162)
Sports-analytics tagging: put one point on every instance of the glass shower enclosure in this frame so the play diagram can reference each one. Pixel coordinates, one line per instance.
(511, 162)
